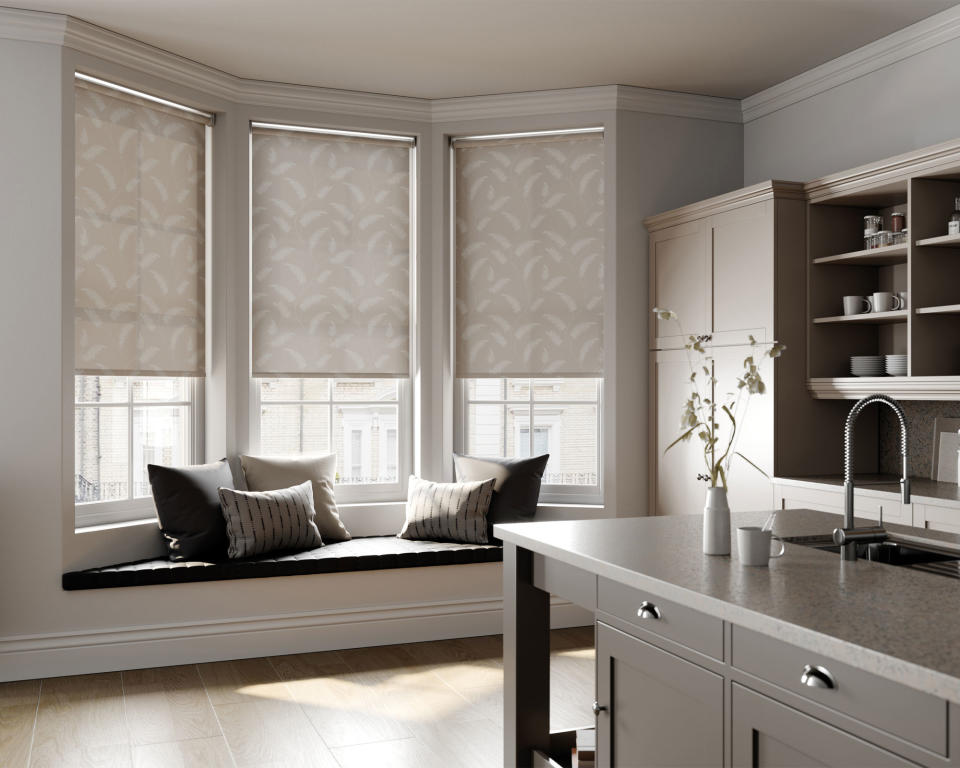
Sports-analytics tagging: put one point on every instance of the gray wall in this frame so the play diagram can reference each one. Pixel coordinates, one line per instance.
(905, 106)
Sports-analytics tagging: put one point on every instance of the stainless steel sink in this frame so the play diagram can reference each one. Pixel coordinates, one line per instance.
(893, 551)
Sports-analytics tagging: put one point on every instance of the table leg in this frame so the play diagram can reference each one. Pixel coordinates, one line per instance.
(526, 660)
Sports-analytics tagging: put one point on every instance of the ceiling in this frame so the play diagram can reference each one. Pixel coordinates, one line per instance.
(442, 48)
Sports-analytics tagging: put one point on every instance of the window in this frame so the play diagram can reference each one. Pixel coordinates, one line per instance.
(357, 419)
(517, 418)
(123, 423)
(142, 188)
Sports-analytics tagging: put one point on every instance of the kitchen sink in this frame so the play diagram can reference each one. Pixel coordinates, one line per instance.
(893, 551)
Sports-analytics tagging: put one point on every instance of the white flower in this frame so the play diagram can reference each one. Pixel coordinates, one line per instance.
(664, 314)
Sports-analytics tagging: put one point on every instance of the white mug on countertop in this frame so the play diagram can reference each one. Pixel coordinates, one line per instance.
(885, 301)
(754, 545)
(856, 305)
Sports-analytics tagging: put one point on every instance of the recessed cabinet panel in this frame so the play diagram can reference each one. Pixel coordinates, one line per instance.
(767, 734)
(660, 710)
(681, 281)
(743, 288)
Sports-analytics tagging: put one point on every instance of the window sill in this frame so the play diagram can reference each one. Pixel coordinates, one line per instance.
(112, 526)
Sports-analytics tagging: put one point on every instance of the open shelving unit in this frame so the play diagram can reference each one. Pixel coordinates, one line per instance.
(922, 185)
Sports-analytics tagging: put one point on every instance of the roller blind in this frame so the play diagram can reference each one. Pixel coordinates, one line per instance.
(529, 256)
(331, 254)
(140, 199)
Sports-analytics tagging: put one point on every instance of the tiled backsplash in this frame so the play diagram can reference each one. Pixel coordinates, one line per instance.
(920, 419)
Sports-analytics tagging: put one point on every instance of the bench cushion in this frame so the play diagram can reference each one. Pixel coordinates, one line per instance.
(366, 553)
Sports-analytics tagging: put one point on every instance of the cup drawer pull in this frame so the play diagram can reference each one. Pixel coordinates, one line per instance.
(817, 677)
(648, 610)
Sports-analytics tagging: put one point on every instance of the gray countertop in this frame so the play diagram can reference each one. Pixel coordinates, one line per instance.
(892, 621)
(921, 488)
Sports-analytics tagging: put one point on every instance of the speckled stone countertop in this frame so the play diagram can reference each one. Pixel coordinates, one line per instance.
(921, 488)
(888, 620)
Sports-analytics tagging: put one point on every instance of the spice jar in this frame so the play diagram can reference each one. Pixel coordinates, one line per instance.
(897, 221)
(872, 225)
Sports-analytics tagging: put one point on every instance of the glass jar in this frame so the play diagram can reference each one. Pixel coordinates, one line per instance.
(883, 238)
(872, 224)
(898, 221)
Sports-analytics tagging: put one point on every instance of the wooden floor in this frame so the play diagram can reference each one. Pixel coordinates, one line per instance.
(421, 705)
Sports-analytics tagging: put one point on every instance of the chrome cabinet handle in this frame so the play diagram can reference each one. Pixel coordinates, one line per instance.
(598, 708)
(817, 677)
(648, 610)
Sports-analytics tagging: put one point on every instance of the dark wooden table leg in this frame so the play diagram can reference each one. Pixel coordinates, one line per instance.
(526, 661)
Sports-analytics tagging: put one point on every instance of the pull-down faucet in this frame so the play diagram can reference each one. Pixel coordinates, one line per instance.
(848, 535)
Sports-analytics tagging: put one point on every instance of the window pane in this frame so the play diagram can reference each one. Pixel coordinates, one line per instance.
(485, 430)
(374, 390)
(485, 389)
(291, 429)
(100, 454)
(161, 435)
(565, 389)
(294, 389)
(361, 443)
(158, 390)
(100, 389)
(518, 389)
(569, 434)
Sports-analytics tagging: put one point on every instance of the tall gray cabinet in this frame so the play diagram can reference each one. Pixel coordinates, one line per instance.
(731, 267)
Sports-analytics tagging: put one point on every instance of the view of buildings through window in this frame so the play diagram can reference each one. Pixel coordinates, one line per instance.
(515, 418)
(122, 424)
(358, 419)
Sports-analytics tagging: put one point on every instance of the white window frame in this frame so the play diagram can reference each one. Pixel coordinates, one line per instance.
(549, 493)
(92, 513)
(358, 493)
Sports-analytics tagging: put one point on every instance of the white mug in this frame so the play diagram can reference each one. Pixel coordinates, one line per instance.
(856, 305)
(884, 301)
(754, 545)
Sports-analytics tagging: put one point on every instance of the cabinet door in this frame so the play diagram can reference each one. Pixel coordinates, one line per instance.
(674, 472)
(660, 709)
(680, 280)
(743, 276)
(767, 734)
(748, 490)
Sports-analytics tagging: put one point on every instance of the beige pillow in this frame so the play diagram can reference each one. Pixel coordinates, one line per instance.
(271, 473)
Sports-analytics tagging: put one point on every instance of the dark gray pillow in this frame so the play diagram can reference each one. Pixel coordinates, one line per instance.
(188, 506)
(517, 488)
(267, 521)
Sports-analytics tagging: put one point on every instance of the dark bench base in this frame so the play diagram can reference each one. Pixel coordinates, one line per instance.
(367, 553)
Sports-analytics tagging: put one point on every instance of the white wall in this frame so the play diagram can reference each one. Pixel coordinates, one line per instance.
(906, 105)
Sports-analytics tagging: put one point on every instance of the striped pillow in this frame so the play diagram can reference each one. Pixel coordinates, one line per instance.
(448, 511)
(262, 521)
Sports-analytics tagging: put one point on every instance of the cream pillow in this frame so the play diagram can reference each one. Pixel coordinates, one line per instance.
(271, 473)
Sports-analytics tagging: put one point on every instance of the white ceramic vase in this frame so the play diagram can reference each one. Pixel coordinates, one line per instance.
(716, 523)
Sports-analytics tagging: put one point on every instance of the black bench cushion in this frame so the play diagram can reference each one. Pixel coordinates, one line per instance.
(367, 553)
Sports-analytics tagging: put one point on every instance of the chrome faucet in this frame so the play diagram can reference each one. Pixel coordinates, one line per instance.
(848, 536)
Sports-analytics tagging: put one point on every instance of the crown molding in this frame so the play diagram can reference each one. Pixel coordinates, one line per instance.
(590, 99)
(902, 44)
(633, 99)
(32, 26)
(765, 190)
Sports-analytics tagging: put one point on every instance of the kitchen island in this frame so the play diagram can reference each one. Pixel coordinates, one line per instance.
(702, 661)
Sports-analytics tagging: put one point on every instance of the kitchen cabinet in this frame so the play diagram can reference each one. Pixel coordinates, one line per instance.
(680, 279)
(769, 734)
(868, 504)
(655, 701)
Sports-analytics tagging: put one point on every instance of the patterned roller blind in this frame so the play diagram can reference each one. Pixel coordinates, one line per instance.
(140, 225)
(529, 256)
(331, 255)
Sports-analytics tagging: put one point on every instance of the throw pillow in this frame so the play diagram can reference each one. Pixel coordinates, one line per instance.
(517, 488)
(265, 473)
(264, 521)
(447, 511)
(188, 507)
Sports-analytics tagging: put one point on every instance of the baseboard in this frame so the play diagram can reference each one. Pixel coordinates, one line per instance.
(35, 656)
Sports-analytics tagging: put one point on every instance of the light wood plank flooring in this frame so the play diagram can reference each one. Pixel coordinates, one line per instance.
(420, 705)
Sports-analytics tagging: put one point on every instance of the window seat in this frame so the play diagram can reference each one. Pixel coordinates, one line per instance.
(367, 553)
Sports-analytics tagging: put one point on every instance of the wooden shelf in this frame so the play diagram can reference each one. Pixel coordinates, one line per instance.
(900, 387)
(946, 309)
(944, 241)
(870, 257)
(868, 318)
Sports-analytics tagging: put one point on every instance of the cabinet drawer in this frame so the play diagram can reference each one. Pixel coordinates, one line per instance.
(911, 715)
(676, 622)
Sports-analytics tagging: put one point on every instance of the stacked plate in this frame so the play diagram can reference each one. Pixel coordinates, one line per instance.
(867, 365)
(896, 365)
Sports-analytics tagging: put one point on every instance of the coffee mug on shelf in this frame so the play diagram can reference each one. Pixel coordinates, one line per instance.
(856, 305)
(902, 295)
(754, 545)
(885, 301)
